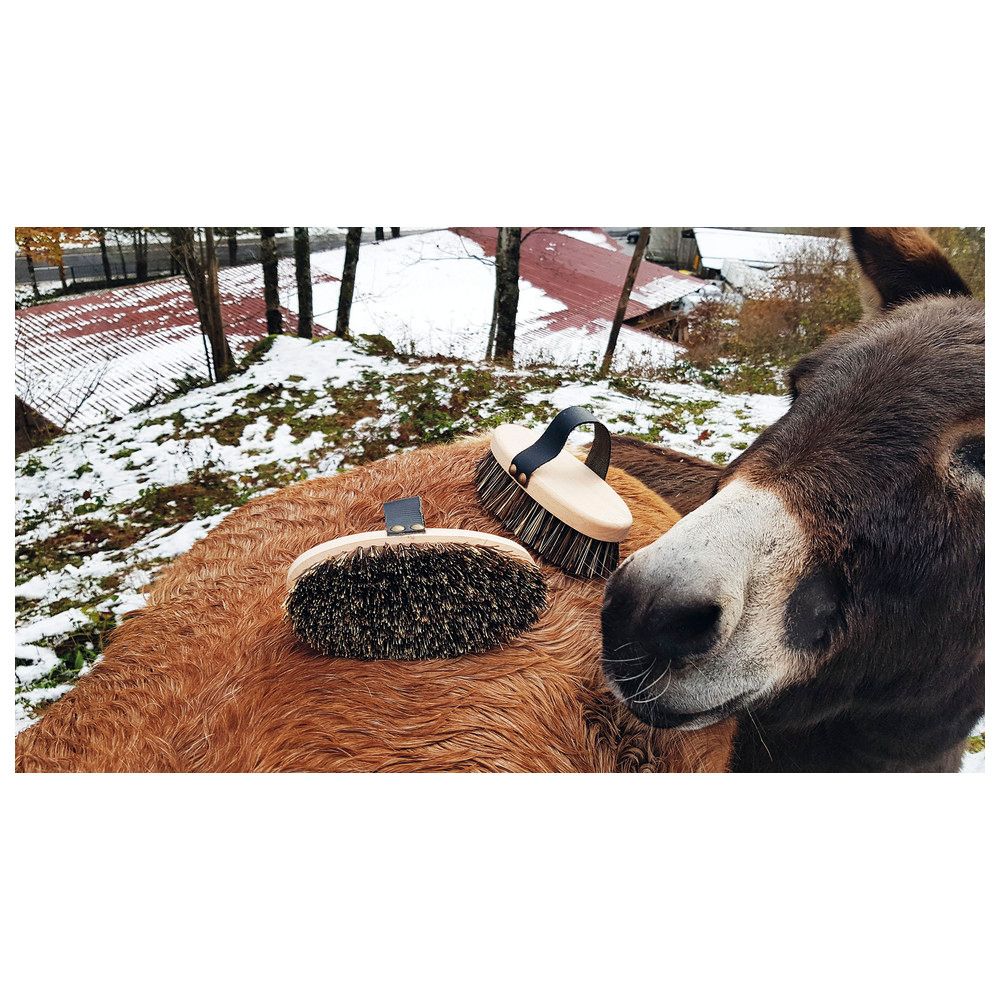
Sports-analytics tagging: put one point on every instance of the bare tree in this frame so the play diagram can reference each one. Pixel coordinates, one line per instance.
(233, 245)
(121, 252)
(269, 261)
(379, 234)
(303, 279)
(508, 265)
(491, 339)
(30, 261)
(201, 270)
(352, 250)
(633, 270)
(105, 263)
(140, 247)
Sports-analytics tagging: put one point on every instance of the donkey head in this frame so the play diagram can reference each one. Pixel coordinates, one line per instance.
(841, 558)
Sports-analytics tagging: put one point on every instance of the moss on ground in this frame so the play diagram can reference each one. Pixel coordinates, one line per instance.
(72, 544)
(206, 492)
(674, 417)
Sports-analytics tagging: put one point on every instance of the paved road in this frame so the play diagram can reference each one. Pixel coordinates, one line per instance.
(86, 262)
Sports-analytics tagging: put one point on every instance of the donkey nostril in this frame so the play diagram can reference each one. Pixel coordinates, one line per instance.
(694, 620)
(686, 628)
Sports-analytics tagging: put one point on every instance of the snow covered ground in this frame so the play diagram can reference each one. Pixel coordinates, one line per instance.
(98, 511)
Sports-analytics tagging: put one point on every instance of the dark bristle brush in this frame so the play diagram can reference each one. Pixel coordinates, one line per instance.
(554, 503)
(413, 592)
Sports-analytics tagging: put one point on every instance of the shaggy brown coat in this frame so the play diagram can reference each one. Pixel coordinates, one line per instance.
(208, 677)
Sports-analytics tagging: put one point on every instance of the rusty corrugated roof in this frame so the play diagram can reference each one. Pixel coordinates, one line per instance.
(90, 357)
(585, 276)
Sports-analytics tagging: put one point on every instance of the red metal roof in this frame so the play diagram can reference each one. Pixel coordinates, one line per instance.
(113, 348)
(586, 277)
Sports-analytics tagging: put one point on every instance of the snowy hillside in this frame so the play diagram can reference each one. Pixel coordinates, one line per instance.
(100, 510)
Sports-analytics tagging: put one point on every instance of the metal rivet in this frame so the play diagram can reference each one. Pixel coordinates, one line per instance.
(416, 527)
(397, 528)
(522, 478)
(513, 469)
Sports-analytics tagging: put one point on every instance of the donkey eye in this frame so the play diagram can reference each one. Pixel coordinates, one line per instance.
(971, 454)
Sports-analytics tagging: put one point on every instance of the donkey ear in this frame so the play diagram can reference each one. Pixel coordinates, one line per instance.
(902, 264)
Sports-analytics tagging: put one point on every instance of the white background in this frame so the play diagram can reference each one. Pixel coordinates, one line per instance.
(433, 114)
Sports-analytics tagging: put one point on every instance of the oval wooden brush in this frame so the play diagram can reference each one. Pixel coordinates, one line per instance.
(412, 592)
(559, 506)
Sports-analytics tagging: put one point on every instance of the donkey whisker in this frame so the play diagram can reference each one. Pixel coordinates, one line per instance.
(666, 688)
(659, 677)
(632, 677)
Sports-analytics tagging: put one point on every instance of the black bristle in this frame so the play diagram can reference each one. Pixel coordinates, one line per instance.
(415, 602)
(551, 538)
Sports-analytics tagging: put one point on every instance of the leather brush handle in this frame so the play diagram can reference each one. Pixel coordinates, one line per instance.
(554, 439)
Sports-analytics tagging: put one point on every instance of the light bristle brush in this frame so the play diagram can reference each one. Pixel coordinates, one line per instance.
(554, 503)
(412, 592)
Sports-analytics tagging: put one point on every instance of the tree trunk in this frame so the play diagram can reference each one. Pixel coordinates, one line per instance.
(394, 230)
(633, 270)
(174, 252)
(141, 259)
(379, 234)
(491, 339)
(105, 263)
(62, 273)
(222, 357)
(352, 250)
(201, 272)
(508, 270)
(29, 260)
(303, 279)
(234, 247)
(269, 261)
(121, 256)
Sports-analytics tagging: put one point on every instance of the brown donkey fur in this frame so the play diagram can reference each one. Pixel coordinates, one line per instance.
(208, 677)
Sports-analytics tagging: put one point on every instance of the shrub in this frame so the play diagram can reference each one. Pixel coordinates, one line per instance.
(806, 301)
(965, 247)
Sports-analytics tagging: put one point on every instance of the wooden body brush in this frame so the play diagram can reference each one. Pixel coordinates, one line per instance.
(559, 506)
(412, 592)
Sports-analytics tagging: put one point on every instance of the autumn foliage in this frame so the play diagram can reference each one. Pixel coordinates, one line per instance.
(45, 243)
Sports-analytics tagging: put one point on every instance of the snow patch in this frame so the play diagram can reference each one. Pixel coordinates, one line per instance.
(590, 236)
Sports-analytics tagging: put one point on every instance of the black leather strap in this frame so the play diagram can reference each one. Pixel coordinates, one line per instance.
(553, 440)
(404, 517)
